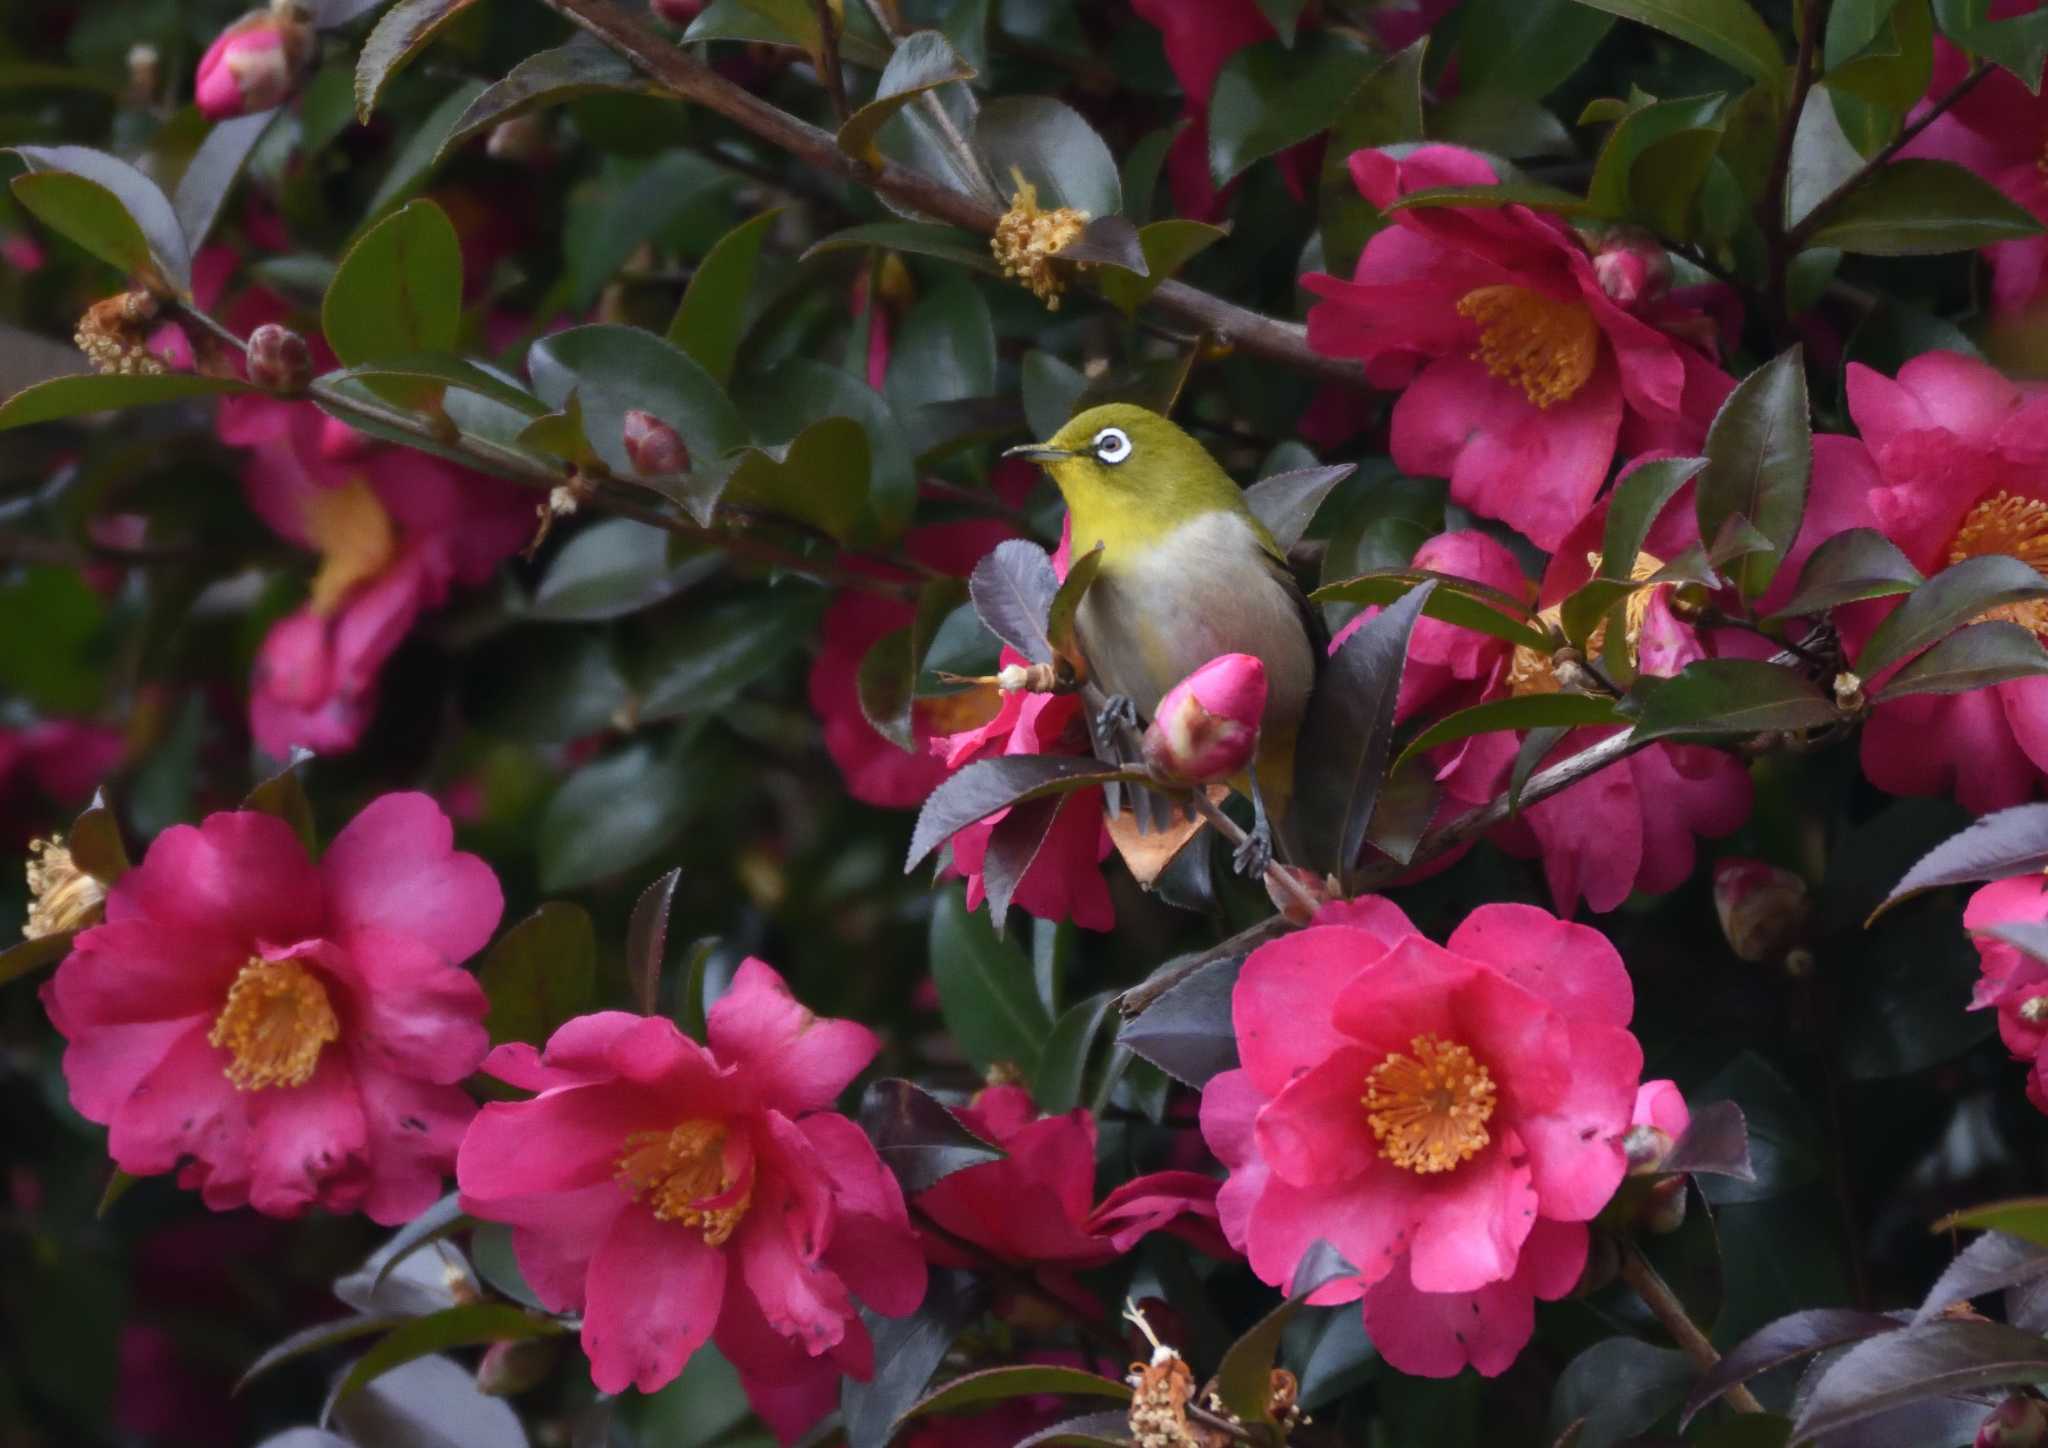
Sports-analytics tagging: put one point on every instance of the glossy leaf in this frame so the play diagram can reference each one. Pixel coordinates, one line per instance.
(1633, 509)
(1933, 1360)
(1849, 566)
(462, 1326)
(1526, 711)
(1385, 108)
(1716, 1140)
(1084, 1430)
(647, 940)
(319, 1335)
(985, 991)
(994, 1385)
(1268, 97)
(1054, 149)
(29, 956)
(1164, 248)
(1013, 587)
(400, 34)
(820, 477)
(887, 681)
(711, 318)
(917, 1138)
(432, 371)
(1786, 1340)
(283, 796)
(212, 172)
(548, 78)
(1730, 696)
(922, 61)
(1065, 607)
(2007, 842)
(1655, 160)
(614, 815)
(923, 238)
(1976, 657)
(1759, 457)
(1286, 503)
(540, 973)
(614, 370)
(1526, 47)
(398, 293)
(613, 567)
(2018, 43)
(2023, 1217)
(1617, 1389)
(1728, 30)
(62, 397)
(1244, 1377)
(108, 207)
(1063, 1069)
(1943, 604)
(1187, 1032)
(907, 1351)
(1921, 208)
(1994, 1261)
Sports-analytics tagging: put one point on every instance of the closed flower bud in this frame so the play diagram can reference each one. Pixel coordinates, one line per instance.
(654, 448)
(1293, 907)
(256, 63)
(2021, 1421)
(1763, 909)
(279, 359)
(521, 141)
(1630, 265)
(510, 1368)
(1208, 724)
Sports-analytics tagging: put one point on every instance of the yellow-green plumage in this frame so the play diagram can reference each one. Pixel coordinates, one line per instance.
(1188, 572)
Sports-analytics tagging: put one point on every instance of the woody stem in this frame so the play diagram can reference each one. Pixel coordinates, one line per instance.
(1657, 1295)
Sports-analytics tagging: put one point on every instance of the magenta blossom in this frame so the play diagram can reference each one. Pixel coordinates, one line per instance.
(672, 1193)
(1960, 454)
(1448, 1117)
(1520, 376)
(288, 1034)
(2010, 981)
(254, 64)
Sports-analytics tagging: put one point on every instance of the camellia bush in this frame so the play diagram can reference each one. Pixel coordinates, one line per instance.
(970, 723)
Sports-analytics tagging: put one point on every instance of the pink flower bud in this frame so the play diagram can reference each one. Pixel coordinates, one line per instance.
(2021, 1421)
(510, 1368)
(254, 64)
(1763, 909)
(655, 448)
(278, 359)
(521, 141)
(1208, 724)
(1291, 906)
(678, 13)
(1630, 266)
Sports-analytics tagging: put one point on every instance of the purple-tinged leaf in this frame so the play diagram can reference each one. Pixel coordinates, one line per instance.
(1994, 1261)
(1090, 1430)
(1717, 1140)
(1244, 1378)
(1785, 1340)
(1013, 846)
(1286, 502)
(988, 785)
(916, 1137)
(907, 1351)
(1013, 588)
(1187, 1032)
(1759, 457)
(2010, 842)
(1934, 1360)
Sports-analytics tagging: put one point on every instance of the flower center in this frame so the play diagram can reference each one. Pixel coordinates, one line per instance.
(276, 1019)
(353, 533)
(684, 1176)
(1544, 346)
(1531, 671)
(2034, 1010)
(1429, 1110)
(61, 896)
(2003, 523)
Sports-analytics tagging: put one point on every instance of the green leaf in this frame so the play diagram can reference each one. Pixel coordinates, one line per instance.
(400, 34)
(91, 392)
(462, 1326)
(438, 370)
(1855, 564)
(283, 796)
(1976, 657)
(819, 478)
(706, 658)
(1283, 15)
(803, 391)
(550, 78)
(1728, 30)
(398, 293)
(711, 319)
(1384, 109)
(921, 238)
(613, 567)
(420, 155)
(1167, 246)
(1267, 97)
(887, 682)
(1921, 208)
(1455, 600)
(1618, 1389)
(1633, 508)
(319, 1335)
(780, 22)
(985, 990)
(1063, 1069)
(2023, 1217)
(1655, 161)
(921, 62)
(30, 956)
(1533, 194)
(995, 1385)
(945, 349)
(1052, 391)
(1049, 144)
(211, 173)
(1527, 711)
(614, 815)
(647, 940)
(691, 1011)
(916, 1137)
(1244, 1378)
(1759, 458)
(540, 973)
(1066, 603)
(109, 208)
(1526, 47)
(1945, 603)
(2018, 43)
(1729, 696)
(1882, 53)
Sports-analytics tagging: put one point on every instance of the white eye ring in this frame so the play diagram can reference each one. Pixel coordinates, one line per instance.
(1112, 445)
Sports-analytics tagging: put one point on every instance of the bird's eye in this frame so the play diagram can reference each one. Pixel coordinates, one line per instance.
(1112, 445)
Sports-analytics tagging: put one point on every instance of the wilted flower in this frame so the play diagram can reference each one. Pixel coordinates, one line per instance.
(293, 1033)
(1207, 726)
(61, 896)
(1763, 909)
(1028, 238)
(256, 63)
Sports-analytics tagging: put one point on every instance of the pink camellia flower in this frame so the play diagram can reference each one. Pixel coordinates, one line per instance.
(673, 1193)
(1520, 376)
(876, 771)
(57, 762)
(1448, 1117)
(2010, 981)
(1960, 452)
(287, 1034)
(254, 64)
(1036, 1207)
(1207, 725)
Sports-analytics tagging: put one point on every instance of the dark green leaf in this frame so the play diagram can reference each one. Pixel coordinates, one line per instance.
(1063, 1069)
(711, 319)
(1953, 597)
(62, 397)
(1084, 1430)
(922, 238)
(94, 840)
(820, 478)
(319, 1335)
(283, 796)
(647, 940)
(985, 991)
(1976, 657)
(1286, 503)
(30, 956)
(400, 34)
(1066, 602)
(613, 815)
(708, 657)
(615, 370)
(993, 1385)
(398, 293)
(1052, 391)
(945, 348)
(1730, 696)
(1244, 1378)
(211, 173)
(1166, 247)
(1786, 1340)
(1922, 208)
(1655, 161)
(1617, 1389)
(613, 567)
(1384, 109)
(2018, 43)
(540, 973)
(1049, 144)
(1525, 47)
(1728, 30)
(1267, 97)
(907, 1351)
(425, 373)
(1759, 458)
(633, 204)
(803, 391)
(1633, 509)
(109, 208)
(1188, 1032)
(548, 78)
(691, 1012)
(463, 1326)
(1934, 1360)
(780, 22)
(917, 1138)
(1454, 600)
(1527, 711)
(1854, 564)
(1532, 194)
(420, 154)
(922, 61)
(438, 1221)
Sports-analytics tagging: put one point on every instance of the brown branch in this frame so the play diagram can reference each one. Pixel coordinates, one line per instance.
(1657, 1295)
(689, 78)
(828, 61)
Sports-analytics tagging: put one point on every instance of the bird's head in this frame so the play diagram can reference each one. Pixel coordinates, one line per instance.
(1119, 458)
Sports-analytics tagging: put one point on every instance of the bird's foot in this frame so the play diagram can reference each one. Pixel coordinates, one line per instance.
(1118, 712)
(1254, 852)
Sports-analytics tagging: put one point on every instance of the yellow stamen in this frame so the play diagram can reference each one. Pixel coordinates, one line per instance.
(1028, 238)
(2017, 526)
(1544, 346)
(276, 1020)
(353, 533)
(682, 1173)
(1531, 672)
(61, 896)
(1429, 1111)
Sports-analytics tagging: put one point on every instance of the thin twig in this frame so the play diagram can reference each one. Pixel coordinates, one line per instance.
(1657, 1295)
(1770, 208)
(1277, 875)
(828, 61)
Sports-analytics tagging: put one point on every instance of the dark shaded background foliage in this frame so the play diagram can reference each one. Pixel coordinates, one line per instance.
(1875, 1102)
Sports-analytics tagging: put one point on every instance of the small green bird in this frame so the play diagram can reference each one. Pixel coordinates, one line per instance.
(1188, 572)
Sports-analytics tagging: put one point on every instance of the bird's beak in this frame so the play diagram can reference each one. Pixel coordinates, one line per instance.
(1039, 452)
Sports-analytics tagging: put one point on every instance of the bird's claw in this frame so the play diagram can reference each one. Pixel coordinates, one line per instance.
(1117, 712)
(1254, 852)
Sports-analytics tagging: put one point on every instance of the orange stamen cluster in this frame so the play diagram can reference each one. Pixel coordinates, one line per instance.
(1544, 346)
(683, 1176)
(274, 1024)
(1429, 1109)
